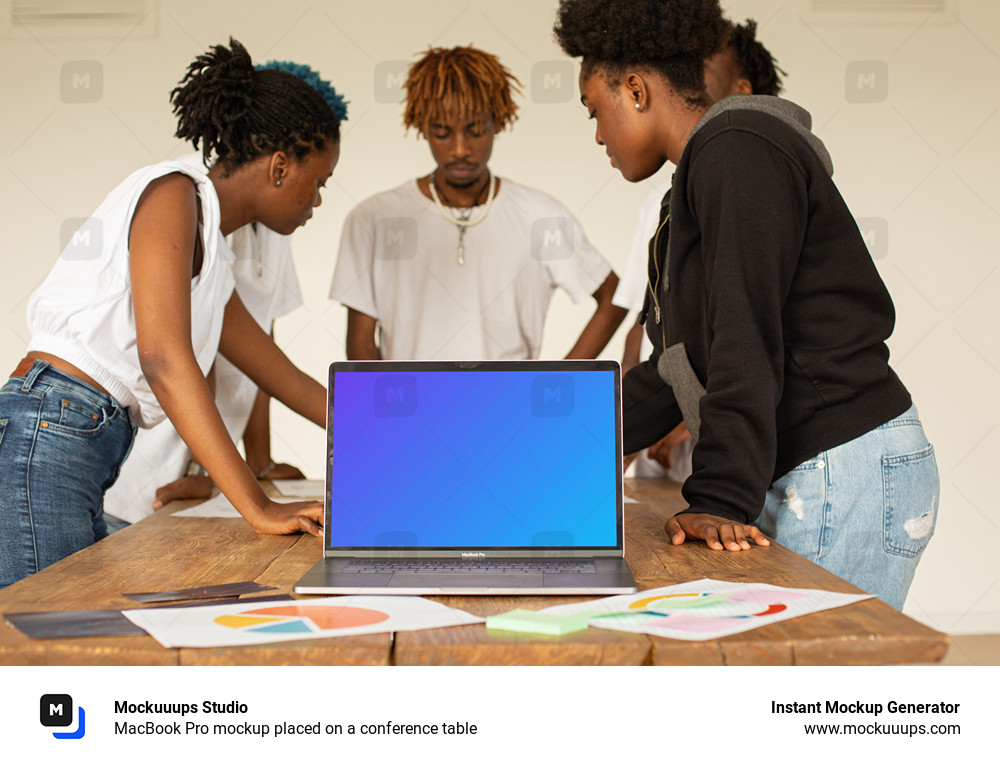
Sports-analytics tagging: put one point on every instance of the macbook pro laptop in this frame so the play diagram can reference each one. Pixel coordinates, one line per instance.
(473, 478)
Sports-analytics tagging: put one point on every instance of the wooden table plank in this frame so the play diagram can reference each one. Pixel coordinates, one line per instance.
(475, 645)
(163, 552)
(166, 553)
(868, 632)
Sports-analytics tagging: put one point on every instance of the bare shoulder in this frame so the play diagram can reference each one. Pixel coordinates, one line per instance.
(168, 203)
(175, 189)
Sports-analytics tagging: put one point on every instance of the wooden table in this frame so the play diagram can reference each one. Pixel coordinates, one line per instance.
(167, 553)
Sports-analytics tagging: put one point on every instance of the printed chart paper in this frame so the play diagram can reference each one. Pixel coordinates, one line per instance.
(706, 609)
(304, 488)
(261, 622)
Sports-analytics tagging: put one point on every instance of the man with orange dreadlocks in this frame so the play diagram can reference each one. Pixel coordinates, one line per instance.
(460, 264)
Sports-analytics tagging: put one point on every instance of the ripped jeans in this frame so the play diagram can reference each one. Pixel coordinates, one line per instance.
(864, 510)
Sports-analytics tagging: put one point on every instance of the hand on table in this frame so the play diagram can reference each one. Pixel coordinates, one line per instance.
(719, 533)
(289, 518)
(197, 487)
(184, 488)
(281, 471)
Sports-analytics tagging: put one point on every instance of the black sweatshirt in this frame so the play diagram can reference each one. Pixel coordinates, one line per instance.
(775, 297)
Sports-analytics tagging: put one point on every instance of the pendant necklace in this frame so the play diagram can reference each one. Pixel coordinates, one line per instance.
(464, 219)
(258, 257)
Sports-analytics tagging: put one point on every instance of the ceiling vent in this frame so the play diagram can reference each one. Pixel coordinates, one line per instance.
(881, 12)
(80, 19)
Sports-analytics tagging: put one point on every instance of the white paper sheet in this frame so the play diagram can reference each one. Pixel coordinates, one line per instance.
(218, 507)
(706, 609)
(308, 488)
(260, 622)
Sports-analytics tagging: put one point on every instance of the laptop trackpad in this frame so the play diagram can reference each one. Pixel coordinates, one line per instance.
(459, 580)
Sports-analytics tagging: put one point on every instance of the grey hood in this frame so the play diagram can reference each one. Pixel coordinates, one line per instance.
(789, 113)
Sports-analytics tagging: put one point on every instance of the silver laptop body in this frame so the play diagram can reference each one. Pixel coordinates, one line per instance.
(473, 478)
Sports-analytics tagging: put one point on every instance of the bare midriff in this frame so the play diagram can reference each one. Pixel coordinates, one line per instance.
(70, 369)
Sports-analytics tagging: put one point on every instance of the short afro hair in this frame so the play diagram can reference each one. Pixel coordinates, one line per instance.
(754, 61)
(671, 38)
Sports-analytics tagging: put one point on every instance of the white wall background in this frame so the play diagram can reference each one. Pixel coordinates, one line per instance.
(915, 148)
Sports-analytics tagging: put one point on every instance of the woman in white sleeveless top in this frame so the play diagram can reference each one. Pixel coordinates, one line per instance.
(127, 324)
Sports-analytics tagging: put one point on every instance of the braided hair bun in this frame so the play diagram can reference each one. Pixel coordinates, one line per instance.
(236, 112)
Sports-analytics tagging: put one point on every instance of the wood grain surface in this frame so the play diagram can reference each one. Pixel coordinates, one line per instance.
(168, 553)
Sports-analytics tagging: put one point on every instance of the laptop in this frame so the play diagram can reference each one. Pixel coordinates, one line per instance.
(473, 478)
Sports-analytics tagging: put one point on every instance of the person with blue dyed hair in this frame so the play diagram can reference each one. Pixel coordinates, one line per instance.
(126, 326)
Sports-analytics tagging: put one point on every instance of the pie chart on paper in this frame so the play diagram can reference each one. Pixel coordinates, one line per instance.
(300, 619)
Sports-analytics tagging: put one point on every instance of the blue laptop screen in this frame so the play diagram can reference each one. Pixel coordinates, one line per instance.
(474, 459)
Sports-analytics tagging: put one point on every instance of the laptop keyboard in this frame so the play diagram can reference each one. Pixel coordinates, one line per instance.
(496, 566)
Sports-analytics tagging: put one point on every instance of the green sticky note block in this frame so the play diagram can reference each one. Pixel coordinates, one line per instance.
(526, 621)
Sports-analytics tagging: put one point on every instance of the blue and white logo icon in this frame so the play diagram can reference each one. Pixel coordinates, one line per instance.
(57, 710)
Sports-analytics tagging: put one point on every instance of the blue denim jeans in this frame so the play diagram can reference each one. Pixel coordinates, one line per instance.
(61, 444)
(864, 510)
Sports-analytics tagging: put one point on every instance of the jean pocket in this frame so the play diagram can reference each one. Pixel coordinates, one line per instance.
(77, 418)
(3, 427)
(911, 491)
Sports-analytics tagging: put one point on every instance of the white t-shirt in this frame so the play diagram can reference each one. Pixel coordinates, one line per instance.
(269, 287)
(82, 311)
(631, 290)
(398, 262)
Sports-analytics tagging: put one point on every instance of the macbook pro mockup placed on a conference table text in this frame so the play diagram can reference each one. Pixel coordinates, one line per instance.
(473, 477)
